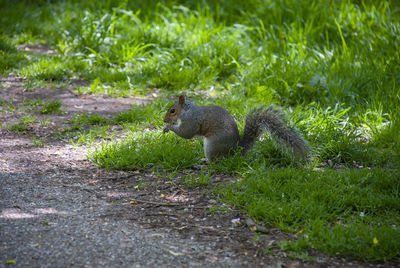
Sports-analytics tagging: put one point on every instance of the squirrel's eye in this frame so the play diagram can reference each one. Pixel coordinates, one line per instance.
(172, 111)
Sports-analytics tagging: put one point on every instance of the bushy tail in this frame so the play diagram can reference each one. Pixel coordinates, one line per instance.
(272, 121)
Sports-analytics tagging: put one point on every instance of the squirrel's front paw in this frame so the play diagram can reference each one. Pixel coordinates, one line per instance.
(166, 129)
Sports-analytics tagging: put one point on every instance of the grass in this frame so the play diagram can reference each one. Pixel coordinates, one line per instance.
(9, 56)
(147, 150)
(332, 65)
(53, 106)
(194, 180)
(339, 212)
(87, 128)
(24, 124)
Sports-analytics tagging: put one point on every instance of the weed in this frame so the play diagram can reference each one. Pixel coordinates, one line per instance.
(33, 102)
(89, 136)
(53, 106)
(6, 105)
(194, 180)
(45, 122)
(38, 142)
(24, 124)
(86, 128)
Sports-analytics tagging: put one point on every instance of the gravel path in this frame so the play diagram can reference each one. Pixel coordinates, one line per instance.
(50, 225)
(57, 211)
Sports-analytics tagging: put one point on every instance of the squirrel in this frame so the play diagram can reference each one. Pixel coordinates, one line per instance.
(220, 132)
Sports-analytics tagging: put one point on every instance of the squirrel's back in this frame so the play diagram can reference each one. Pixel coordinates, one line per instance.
(220, 131)
(218, 119)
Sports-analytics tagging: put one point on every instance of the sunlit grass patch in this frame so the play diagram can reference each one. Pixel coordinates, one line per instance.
(149, 115)
(47, 69)
(90, 135)
(88, 128)
(150, 149)
(88, 119)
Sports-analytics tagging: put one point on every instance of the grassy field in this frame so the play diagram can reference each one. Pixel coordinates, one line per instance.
(334, 67)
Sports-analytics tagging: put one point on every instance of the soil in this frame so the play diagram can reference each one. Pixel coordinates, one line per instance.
(60, 210)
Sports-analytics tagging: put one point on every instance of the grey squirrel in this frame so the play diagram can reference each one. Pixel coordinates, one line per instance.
(219, 130)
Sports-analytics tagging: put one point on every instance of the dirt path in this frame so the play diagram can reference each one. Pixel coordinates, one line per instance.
(58, 210)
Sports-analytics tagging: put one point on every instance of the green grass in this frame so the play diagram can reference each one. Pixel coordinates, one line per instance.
(88, 128)
(38, 142)
(332, 65)
(87, 119)
(9, 56)
(42, 106)
(196, 180)
(339, 212)
(24, 124)
(89, 136)
(147, 150)
(48, 69)
(53, 106)
(6, 106)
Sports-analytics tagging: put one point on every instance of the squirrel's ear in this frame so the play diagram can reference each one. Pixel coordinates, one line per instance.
(181, 99)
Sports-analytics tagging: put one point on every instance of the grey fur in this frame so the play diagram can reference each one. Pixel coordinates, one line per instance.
(220, 133)
(272, 121)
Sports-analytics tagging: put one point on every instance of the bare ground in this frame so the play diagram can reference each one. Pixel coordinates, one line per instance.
(60, 210)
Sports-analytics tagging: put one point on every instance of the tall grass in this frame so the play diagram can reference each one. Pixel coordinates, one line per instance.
(327, 52)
